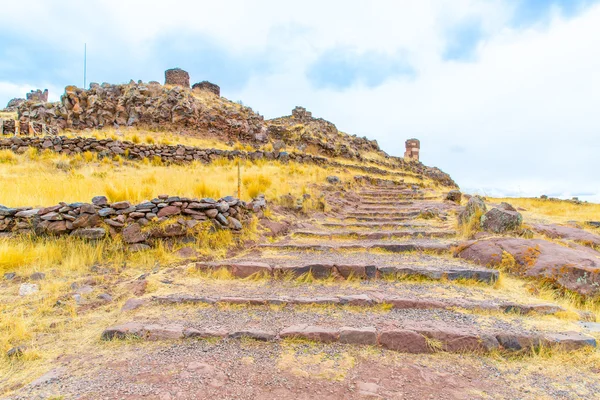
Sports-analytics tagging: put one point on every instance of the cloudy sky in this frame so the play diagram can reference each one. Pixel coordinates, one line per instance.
(503, 94)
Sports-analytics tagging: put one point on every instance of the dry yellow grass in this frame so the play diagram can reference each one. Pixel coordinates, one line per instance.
(555, 211)
(39, 179)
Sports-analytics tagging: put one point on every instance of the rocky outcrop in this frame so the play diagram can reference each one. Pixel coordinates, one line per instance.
(569, 233)
(454, 195)
(576, 268)
(475, 208)
(151, 105)
(13, 105)
(207, 86)
(162, 217)
(500, 220)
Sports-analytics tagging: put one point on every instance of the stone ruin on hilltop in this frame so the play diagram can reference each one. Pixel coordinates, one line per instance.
(412, 150)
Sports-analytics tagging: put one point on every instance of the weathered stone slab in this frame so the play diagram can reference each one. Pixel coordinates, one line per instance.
(308, 332)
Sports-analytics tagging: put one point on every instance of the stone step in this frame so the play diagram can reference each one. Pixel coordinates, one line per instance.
(417, 245)
(377, 219)
(365, 300)
(377, 235)
(396, 203)
(375, 225)
(410, 337)
(247, 268)
(383, 214)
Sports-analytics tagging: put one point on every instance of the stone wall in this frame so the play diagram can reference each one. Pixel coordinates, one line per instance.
(177, 76)
(208, 87)
(12, 127)
(183, 154)
(138, 224)
(412, 150)
(38, 96)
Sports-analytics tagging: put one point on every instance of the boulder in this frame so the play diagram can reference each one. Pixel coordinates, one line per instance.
(333, 179)
(475, 206)
(568, 232)
(501, 220)
(454, 195)
(576, 268)
(101, 201)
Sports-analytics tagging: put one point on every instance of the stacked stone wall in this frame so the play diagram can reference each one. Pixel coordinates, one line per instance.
(138, 224)
(183, 154)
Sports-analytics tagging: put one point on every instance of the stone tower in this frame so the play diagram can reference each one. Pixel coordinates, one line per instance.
(412, 150)
(177, 76)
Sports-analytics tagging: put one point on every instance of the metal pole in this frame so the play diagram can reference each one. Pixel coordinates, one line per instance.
(239, 180)
(84, 65)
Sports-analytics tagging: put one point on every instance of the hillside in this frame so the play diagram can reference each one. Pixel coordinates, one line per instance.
(169, 243)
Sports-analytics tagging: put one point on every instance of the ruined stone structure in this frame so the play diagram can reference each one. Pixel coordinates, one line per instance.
(301, 113)
(10, 126)
(177, 76)
(207, 86)
(13, 105)
(38, 96)
(412, 150)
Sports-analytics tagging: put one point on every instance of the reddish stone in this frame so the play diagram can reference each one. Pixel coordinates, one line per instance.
(316, 333)
(168, 211)
(404, 340)
(569, 340)
(204, 333)
(367, 336)
(245, 269)
(132, 329)
(401, 303)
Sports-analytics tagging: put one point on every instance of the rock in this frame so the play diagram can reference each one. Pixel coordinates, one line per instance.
(134, 248)
(333, 179)
(569, 341)
(475, 207)
(212, 213)
(121, 205)
(169, 211)
(275, 228)
(234, 224)
(316, 333)
(9, 276)
(264, 336)
(507, 207)
(575, 268)
(105, 212)
(222, 206)
(49, 377)
(458, 340)
(105, 297)
(143, 331)
(37, 276)
(568, 232)
(403, 340)
(15, 352)
(132, 304)
(501, 221)
(133, 234)
(27, 289)
(89, 233)
(27, 213)
(187, 252)
(455, 196)
(101, 201)
(245, 269)
(222, 219)
(366, 336)
(86, 220)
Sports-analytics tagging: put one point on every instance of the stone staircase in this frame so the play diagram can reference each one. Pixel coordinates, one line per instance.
(374, 273)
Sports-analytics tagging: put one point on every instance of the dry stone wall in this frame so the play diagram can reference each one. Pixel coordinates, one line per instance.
(138, 224)
(183, 154)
